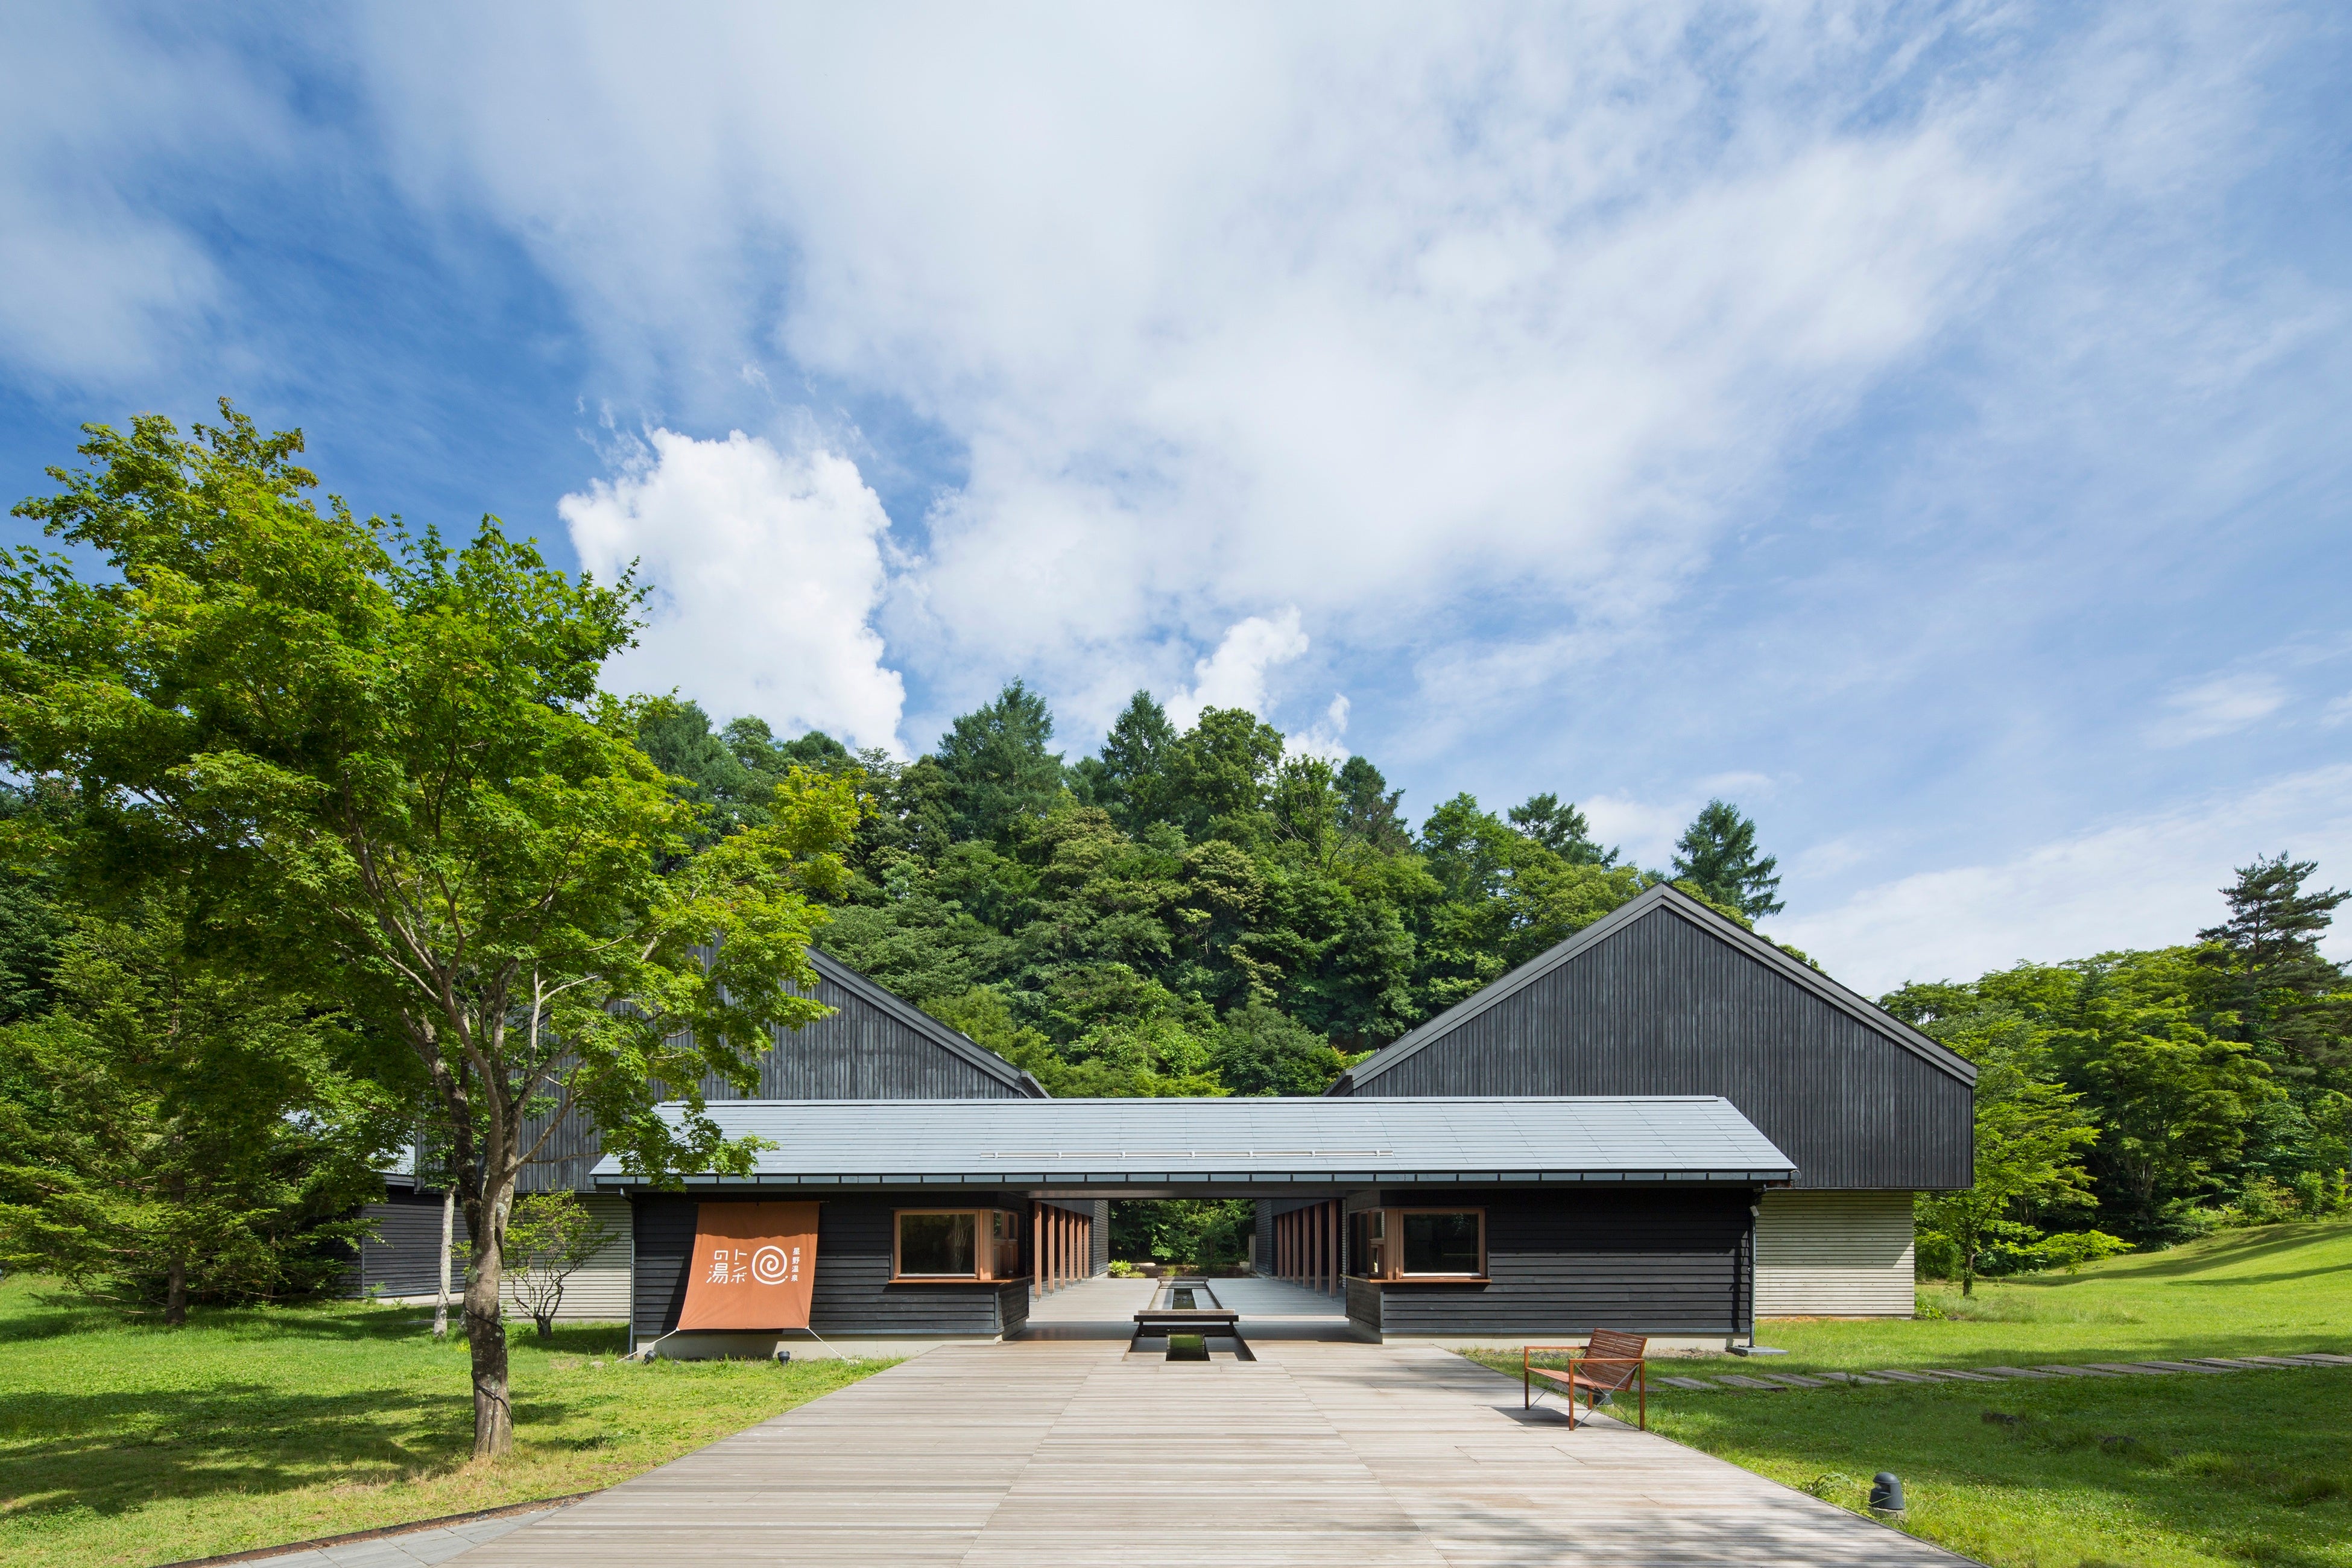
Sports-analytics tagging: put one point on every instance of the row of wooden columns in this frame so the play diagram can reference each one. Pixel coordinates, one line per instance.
(1064, 1248)
(1307, 1247)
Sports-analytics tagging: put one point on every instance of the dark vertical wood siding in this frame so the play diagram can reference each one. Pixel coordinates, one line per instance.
(860, 1051)
(1663, 1007)
(1646, 1261)
(852, 1293)
(403, 1257)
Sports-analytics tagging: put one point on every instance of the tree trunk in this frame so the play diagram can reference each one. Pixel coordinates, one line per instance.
(176, 1278)
(448, 1234)
(485, 1332)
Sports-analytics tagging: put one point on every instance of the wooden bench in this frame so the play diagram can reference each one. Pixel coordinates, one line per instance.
(1609, 1363)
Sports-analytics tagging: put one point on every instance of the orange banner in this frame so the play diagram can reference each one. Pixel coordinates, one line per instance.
(753, 1267)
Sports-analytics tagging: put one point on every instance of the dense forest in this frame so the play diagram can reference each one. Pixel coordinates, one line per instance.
(315, 830)
(1186, 914)
(1203, 912)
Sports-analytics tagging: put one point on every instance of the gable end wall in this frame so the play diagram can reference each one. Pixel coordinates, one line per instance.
(1662, 1007)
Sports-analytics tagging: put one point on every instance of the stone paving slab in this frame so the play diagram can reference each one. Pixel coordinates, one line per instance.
(425, 1548)
(2213, 1366)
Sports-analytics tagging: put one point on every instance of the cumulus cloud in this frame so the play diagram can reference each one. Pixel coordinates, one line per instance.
(1326, 737)
(1354, 311)
(1235, 674)
(2148, 882)
(2217, 707)
(767, 566)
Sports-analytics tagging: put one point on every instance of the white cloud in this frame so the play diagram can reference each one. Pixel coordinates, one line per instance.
(1363, 312)
(2150, 882)
(101, 285)
(2336, 712)
(2217, 707)
(767, 566)
(1647, 830)
(1323, 738)
(1234, 676)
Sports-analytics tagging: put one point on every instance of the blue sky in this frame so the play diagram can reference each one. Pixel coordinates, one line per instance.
(1925, 425)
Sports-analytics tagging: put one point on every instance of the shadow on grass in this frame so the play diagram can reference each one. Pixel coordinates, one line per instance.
(2221, 1254)
(111, 1453)
(2252, 1467)
(49, 1315)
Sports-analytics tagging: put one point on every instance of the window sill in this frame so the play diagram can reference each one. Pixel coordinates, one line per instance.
(955, 1279)
(1439, 1280)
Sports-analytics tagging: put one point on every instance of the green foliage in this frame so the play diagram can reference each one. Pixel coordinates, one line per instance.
(173, 1130)
(996, 767)
(2215, 1076)
(1190, 1233)
(1560, 828)
(2291, 1005)
(382, 771)
(549, 1238)
(1716, 853)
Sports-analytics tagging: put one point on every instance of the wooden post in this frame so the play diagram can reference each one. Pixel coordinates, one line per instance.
(1037, 1253)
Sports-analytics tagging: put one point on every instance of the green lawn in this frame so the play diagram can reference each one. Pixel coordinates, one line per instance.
(126, 1444)
(2256, 1467)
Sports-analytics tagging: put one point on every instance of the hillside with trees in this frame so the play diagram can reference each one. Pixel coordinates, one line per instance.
(1187, 912)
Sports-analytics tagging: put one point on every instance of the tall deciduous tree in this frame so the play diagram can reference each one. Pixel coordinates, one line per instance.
(384, 769)
(1716, 853)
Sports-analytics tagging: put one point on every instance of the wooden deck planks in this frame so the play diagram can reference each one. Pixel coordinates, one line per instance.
(1077, 1452)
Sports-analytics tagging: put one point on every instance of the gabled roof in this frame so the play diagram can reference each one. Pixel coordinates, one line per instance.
(1667, 900)
(923, 1023)
(1242, 1140)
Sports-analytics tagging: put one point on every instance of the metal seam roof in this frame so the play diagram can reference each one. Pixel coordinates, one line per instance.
(1029, 1143)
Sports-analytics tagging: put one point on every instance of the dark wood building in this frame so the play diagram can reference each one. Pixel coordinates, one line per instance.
(1665, 997)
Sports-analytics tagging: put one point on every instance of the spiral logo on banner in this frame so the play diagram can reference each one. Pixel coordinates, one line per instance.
(768, 1266)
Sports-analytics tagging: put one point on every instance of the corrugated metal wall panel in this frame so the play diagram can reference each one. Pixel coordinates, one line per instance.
(1663, 1007)
(599, 1291)
(1833, 1253)
(404, 1263)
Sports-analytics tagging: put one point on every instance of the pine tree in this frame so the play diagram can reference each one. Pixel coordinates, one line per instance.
(1560, 827)
(2289, 998)
(1130, 780)
(1717, 853)
(1368, 807)
(996, 763)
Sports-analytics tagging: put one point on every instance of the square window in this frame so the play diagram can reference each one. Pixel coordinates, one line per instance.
(1442, 1243)
(942, 1245)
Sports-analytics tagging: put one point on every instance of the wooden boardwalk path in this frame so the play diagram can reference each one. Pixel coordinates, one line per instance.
(1074, 1453)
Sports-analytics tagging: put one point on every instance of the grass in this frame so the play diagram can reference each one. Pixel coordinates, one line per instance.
(2169, 1472)
(122, 1443)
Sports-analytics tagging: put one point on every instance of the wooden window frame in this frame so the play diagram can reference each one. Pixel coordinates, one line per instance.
(983, 1247)
(1391, 1220)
